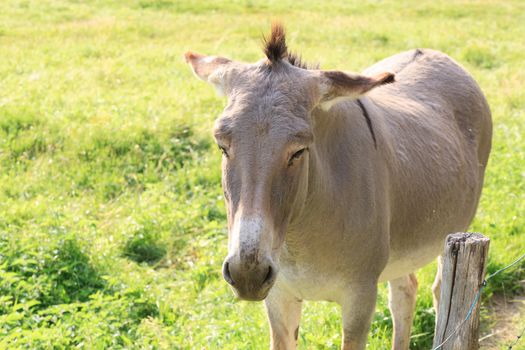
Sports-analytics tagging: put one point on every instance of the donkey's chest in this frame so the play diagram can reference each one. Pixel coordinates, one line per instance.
(313, 279)
(307, 283)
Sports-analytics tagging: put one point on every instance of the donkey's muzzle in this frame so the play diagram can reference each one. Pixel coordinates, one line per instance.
(249, 281)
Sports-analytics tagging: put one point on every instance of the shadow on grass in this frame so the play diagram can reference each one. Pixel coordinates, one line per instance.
(73, 277)
(145, 246)
(58, 274)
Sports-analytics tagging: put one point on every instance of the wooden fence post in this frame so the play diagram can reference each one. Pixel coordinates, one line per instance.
(464, 262)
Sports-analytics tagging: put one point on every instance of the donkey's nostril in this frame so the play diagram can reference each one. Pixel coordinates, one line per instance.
(269, 276)
(226, 273)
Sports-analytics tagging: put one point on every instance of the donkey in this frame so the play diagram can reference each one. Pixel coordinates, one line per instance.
(337, 181)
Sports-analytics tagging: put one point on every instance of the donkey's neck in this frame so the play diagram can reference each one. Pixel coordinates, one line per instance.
(340, 145)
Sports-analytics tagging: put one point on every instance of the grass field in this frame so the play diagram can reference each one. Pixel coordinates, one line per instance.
(112, 223)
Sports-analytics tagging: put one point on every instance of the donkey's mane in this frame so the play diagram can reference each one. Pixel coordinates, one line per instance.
(276, 50)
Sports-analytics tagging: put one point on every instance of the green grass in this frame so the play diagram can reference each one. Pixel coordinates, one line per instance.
(112, 223)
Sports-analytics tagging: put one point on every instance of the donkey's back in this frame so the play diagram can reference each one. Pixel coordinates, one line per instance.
(437, 127)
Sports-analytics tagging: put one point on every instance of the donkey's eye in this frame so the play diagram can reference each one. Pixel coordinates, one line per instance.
(223, 150)
(296, 155)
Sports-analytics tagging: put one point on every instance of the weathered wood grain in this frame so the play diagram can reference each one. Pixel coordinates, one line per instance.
(464, 262)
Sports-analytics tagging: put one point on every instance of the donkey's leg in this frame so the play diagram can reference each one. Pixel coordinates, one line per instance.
(402, 294)
(358, 308)
(284, 314)
(436, 286)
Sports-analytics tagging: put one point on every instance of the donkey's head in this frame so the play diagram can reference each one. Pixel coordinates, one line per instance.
(264, 134)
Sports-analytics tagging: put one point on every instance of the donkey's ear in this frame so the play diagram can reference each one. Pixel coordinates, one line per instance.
(209, 68)
(336, 86)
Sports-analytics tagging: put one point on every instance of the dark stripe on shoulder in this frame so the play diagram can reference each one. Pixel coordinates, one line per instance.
(368, 121)
(417, 53)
